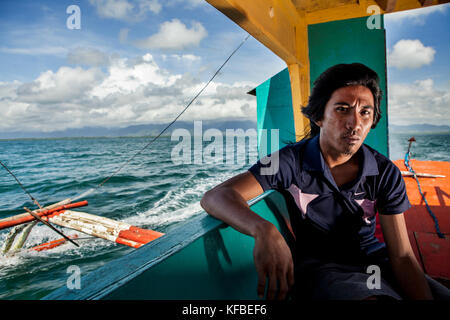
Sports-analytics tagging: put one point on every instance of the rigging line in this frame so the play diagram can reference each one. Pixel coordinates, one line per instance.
(176, 118)
(409, 167)
(37, 203)
(21, 185)
(50, 226)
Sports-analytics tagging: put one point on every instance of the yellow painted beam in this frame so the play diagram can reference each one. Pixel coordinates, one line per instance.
(343, 12)
(270, 22)
(273, 22)
(283, 29)
(314, 5)
(282, 26)
(300, 93)
(414, 4)
(387, 5)
(299, 76)
(338, 11)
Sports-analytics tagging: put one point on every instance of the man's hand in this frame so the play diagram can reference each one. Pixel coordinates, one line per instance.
(406, 268)
(272, 256)
(273, 260)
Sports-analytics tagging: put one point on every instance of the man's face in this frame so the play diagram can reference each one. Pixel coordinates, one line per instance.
(347, 119)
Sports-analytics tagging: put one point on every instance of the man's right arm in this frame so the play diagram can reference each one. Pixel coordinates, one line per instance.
(272, 255)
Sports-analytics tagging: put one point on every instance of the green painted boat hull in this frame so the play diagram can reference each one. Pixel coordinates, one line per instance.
(202, 259)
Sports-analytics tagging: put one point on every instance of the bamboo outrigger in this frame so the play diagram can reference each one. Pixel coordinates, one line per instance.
(204, 258)
(59, 214)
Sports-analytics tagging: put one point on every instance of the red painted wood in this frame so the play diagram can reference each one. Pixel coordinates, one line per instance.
(139, 235)
(435, 253)
(52, 244)
(26, 217)
(378, 232)
(431, 251)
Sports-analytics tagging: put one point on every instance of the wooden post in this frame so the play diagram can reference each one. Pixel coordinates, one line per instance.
(23, 218)
(299, 74)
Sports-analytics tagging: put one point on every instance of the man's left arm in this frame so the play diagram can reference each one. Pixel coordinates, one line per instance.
(405, 266)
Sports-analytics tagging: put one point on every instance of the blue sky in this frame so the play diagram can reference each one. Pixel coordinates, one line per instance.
(42, 25)
(140, 61)
(418, 48)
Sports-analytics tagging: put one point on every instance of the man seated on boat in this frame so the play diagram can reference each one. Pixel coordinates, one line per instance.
(333, 185)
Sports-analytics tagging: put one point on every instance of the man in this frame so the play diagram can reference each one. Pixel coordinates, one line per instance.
(333, 185)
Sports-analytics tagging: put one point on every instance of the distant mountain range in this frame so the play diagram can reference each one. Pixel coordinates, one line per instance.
(155, 129)
(131, 131)
(418, 128)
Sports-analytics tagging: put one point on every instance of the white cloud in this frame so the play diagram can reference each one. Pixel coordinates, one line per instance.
(187, 57)
(123, 35)
(125, 9)
(125, 79)
(117, 9)
(149, 5)
(191, 4)
(130, 92)
(419, 102)
(8, 89)
(67, 84)
(184, 58)
(415, 16)
(35, 51)
(410, 54)
(174, 35)
(88, 57)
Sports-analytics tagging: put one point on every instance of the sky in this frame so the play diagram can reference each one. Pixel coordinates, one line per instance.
(136, 62)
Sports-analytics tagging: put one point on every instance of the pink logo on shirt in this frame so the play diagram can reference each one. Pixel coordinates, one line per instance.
(301, 199)
(368, 207)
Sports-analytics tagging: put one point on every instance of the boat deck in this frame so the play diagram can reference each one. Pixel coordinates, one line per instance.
(431, 251)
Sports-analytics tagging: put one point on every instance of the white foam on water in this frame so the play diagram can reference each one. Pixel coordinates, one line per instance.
(83, 195)
(178, 205)
(42, 234)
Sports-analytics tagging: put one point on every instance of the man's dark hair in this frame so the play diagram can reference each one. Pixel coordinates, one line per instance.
(339, 76)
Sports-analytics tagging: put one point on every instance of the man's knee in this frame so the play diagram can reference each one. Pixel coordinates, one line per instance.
(438, 290)
(371, 298)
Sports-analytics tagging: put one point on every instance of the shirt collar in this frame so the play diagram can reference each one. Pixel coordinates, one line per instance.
(313, 160)
(370, 166)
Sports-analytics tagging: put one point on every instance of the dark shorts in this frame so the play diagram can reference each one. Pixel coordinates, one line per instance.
(317, 280)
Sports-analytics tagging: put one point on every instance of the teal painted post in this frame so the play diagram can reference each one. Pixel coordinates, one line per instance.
(329, 43)
(349, 41)
(274, 110)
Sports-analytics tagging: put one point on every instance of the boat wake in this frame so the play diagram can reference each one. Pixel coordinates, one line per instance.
(177, 205)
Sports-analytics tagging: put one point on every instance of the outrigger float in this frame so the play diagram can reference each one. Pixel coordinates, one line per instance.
(61, 215)
(206, 259)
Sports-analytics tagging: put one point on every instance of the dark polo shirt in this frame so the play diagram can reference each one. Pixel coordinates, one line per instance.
(330, 222)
